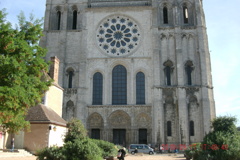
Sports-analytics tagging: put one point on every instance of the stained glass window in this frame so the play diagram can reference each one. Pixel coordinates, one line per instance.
(119, 85)
(140, 88)
(191, 128)
(97, 88)
(118, 36)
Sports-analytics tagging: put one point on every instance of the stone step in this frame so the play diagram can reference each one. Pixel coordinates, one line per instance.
(16, 153)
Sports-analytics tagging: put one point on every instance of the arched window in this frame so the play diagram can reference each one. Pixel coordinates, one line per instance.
(119, 85)
(168, 72)
(97, 88)
(70, 79)
(165, 15)
(58, 20)
(140, 88)
(168, 75)
(189, 69)
(185, 14)
(191, 128)
(189, 75)
(74, 23)
(169, 128)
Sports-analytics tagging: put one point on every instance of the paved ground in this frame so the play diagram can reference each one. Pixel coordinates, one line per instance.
(129, 157)
(156, 157)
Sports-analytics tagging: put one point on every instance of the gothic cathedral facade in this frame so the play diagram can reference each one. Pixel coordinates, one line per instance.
(133, 71)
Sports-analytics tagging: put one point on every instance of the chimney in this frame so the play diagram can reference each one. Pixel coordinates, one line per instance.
(54, 68)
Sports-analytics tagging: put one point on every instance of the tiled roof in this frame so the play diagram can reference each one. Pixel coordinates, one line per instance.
(43, 114)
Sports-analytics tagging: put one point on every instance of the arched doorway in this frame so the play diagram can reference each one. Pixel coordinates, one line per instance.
(120, 122)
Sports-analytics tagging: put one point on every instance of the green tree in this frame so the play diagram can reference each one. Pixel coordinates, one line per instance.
(22, 70)
(223, 143)
(225, 124)
(76, 131)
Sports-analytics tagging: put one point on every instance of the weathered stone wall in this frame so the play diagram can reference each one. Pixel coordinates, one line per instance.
(158, 45)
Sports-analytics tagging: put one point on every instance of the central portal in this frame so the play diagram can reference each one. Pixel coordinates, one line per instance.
(119, 136)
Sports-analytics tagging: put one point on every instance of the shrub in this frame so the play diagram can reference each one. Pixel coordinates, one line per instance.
(107, 148)
(221, 146)
(76, 130)
(193, 151)
(223, 143)
(78, 146)
(82, 149)
(51, 153)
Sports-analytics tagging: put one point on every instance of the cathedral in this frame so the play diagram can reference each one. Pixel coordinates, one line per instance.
(133, 71)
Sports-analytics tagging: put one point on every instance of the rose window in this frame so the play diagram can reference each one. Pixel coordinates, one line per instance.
(118, 36)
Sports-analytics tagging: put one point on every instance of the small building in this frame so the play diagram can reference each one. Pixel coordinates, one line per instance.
(47, 128)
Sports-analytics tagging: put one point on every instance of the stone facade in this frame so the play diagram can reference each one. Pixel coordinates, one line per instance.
(162, 41)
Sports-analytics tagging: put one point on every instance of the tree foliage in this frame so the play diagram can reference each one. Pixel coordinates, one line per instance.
(223, 143)
(76, 130)
(22, 70)
(225, 124)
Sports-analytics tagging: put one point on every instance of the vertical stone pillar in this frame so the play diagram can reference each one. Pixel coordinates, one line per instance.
(183, 117)
(181, 93)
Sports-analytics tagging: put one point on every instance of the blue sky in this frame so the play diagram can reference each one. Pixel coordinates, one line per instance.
(223, 28)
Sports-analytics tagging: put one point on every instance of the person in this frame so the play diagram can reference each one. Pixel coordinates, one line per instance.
(12, 144)
(176, 150)
(169, 150)
(161, 149)
(136, 150)
(123, 153)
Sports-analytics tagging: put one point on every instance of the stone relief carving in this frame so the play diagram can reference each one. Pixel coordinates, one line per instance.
(95, 120)
(143, 120)
(119, 118)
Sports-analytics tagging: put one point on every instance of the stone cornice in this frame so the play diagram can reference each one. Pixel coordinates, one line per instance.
(119, 106)
(182, 87)
(127, 57)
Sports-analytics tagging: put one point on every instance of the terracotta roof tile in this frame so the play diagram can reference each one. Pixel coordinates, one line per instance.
(43, 114)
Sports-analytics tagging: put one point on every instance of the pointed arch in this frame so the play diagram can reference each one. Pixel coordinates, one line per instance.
(58, 20)
(140, 88)
(97, 89)
(95, 120)
(168, 69)
(143, 120)
(165, 15)
(189, 69)
(185, 14)
(119, 85)
(119, 119)
(70, 74)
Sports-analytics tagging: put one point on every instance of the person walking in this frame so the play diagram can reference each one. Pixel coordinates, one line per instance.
(12, 145)
(161, 149)
(121, 154)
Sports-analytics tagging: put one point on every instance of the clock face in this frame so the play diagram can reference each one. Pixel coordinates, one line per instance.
(118, 36)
